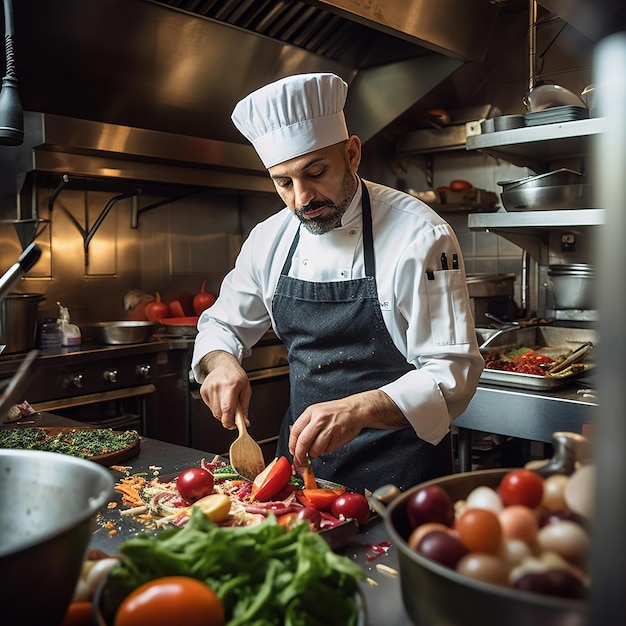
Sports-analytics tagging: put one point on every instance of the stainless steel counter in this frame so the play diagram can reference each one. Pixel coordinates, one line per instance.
(532, 415)
(381, 591)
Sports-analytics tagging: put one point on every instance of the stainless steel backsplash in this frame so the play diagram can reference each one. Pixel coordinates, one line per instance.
(175, 247)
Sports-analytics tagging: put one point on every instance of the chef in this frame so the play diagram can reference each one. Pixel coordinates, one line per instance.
(364, 284)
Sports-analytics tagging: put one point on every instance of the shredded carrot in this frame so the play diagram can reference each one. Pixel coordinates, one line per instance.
(112, 505)
(130, 489)
(112, 532)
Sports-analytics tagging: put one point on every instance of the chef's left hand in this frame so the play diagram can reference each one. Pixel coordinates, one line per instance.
(326, 426)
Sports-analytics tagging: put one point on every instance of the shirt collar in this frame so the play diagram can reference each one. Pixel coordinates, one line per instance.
(353, 212)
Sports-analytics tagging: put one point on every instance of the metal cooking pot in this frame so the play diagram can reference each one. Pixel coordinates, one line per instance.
(562, 176)
(48, 502)
(573, 286)
(18, 321)
(435, 595)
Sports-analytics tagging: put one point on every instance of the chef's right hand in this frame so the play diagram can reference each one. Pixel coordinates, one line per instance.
(226, 385)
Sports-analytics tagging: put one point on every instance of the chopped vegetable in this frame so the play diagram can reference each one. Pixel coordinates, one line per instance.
(321, 498)
(308, 476)
(262, 574)
(272, 479)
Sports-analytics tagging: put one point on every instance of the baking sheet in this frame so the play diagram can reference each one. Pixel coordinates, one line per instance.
(552, 341)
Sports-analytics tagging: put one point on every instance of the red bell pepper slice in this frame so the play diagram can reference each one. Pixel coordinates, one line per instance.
(271, 480)
(308, 476)
(319, 498)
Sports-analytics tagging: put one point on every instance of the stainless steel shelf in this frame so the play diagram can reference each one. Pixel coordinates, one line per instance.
(536, 146)
(536, 220)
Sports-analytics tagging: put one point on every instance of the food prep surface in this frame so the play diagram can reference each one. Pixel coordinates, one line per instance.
(381, 587)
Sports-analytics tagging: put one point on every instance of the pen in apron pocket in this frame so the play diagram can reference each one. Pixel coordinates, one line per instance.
(455, 261)
(444, 261)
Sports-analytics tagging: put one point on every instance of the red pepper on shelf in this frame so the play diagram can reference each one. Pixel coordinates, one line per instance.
(271, 480)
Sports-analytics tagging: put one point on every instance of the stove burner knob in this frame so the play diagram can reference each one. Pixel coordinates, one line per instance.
(77, 380)
(143, 371)
(110, 376)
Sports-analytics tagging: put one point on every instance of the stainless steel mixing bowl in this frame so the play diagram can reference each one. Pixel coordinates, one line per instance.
(48, 503)
(122, 332)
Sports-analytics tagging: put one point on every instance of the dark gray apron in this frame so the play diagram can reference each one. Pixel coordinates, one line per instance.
(338, 345)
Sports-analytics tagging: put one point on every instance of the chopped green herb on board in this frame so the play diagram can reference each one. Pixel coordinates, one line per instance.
(83, 443)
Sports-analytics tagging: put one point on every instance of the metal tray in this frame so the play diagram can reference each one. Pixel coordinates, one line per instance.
(530, 381)
(550, 340)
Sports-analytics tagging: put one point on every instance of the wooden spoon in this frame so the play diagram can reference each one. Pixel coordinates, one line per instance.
(246, 455)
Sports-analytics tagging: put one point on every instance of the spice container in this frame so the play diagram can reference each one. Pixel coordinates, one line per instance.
(50, 334)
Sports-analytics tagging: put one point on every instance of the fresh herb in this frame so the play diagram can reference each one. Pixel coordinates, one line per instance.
(21, 439)
(82, 443)
(264, 574)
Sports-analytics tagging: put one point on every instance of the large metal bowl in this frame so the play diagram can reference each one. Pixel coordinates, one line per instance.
(48, 502)
(122, 332)
(575, 196)
(435, 595)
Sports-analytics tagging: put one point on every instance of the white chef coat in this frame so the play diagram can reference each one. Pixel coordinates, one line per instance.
(429, 320)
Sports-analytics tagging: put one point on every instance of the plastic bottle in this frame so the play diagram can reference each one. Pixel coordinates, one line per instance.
(70, 332)
(50, 334)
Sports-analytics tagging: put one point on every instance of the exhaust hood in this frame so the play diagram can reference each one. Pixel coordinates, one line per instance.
(143, 89)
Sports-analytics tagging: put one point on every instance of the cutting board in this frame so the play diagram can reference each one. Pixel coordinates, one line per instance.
(106, 459)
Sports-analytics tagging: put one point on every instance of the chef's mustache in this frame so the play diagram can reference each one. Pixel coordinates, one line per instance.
(313, 205)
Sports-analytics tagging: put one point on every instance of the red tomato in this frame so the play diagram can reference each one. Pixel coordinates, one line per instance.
(271, 480)
(460, 185)
(195, 483)
(320, 498)
(351, 506)
(521, 486)
(480, 531)
(78, 614)
(171, 600)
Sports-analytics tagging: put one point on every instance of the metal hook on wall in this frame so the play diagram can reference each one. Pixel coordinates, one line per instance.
(86, 232)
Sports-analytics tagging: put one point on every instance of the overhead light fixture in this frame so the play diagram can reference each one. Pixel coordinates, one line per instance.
(11, 113)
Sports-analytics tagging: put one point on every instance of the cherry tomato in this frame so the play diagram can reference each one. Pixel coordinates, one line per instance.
(351, 506)
(521, 486)
(480, 530)
(78, 614)
(171, 600)
(313, 516)
(195, 483)
(430, 504)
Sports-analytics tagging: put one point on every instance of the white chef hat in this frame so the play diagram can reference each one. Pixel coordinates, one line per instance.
(293, 116)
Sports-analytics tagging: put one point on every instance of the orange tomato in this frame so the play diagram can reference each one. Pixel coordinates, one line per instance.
(479, 530)
(78, 614)
(460, 185)
(171, 600)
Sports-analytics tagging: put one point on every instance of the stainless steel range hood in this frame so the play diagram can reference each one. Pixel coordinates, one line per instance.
(144, 89)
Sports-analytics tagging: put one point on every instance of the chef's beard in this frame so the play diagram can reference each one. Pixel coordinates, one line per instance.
(325, 223)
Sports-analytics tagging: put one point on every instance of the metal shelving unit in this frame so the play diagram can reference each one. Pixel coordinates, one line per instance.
(537, 147)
